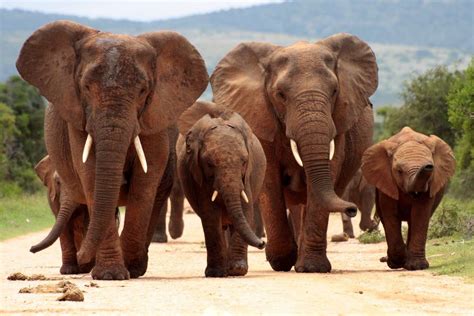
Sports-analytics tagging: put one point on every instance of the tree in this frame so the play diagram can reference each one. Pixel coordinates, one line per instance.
(461, 116)
(21, 118)
(425, 106)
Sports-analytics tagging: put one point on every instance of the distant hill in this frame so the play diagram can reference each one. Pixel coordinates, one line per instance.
(431, 23)
(399, 52)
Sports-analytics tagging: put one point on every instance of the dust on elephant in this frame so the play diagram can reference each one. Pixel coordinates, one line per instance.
(176, 197)
(410, 172)
(309, 106)
(112, 98)
(71, 223)
(221, 166)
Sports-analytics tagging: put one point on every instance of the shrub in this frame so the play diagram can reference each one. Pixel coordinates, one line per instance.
(445, 221)
(372, 237)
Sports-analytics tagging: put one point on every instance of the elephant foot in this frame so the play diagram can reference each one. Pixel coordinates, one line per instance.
(396, 262)
(314, 264)
(215, 272)
(238, 268)
(176, 228)
(69, 269)
(137, 267)
(416, 264)
(110, 272)
(159, 237)
(87, 267)
(341, 237)
(283, 262)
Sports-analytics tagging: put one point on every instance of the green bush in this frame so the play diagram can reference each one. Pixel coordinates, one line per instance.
(445, 221)
(372, 237)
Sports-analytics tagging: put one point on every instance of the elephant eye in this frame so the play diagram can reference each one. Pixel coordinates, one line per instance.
(142, 91)
(334, 92)
(281, 95)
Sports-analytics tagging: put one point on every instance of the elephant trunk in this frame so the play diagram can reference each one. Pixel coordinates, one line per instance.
(233, 203)
(420, 181)
(313, 138)
(64, 215)
(112, 141)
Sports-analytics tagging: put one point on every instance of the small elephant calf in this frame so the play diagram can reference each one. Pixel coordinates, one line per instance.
(221, 165)
(72, 220)
(410, 172)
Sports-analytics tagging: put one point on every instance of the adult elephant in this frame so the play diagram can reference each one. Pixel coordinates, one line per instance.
(112, 100)
(304, 98)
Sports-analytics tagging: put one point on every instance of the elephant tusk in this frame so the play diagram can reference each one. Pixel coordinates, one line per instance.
(214, 195)
(87, 148)
(296, 154)
(140, 153)
(332, 149)
(244, 196)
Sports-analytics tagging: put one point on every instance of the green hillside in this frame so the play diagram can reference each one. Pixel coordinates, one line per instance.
(216, 33)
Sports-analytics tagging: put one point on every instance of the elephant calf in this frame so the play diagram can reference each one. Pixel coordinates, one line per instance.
(72, 220)
(221, 165)
(410, 172)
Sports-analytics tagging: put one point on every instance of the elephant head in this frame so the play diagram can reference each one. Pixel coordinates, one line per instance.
(50, 178)
(113, 88)
(222, 154)
(311, 92)
(409, 162)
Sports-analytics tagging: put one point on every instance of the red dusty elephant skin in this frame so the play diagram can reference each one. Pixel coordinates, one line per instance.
(410, 172)
(308, 104)
(221, 165)
(112, 98)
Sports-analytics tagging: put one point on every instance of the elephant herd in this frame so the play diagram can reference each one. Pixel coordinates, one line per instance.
(289, 128)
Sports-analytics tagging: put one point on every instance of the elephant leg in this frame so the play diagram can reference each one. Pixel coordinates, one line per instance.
(160, 231)
(176, 224)
(347, 225)
(237, 255)
(68, 250)
(294, 218)
(313, 241)
(365, 207)
(109, 259)
(392, 224)
(215, 245)
(141, 203)
(417, 233)
(281, 250)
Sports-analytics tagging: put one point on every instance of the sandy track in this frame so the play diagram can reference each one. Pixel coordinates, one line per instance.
(174, 284)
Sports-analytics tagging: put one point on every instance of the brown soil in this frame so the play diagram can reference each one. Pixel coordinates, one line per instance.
(175, 283)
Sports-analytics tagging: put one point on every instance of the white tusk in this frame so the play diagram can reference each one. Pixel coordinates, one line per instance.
(140, 153)
(244, 196)
(294, 150)
(87, 148)
(332, 147)
(214, 195)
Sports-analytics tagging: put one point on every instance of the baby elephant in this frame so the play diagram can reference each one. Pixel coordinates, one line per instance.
(221, 165)
(72, 220)
(410, 172)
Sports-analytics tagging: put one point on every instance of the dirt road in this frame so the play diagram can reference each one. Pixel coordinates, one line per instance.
(174, 284)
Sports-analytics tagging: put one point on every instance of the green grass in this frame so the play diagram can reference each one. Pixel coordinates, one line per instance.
(23, 214)
(451, 256)
(372, 237)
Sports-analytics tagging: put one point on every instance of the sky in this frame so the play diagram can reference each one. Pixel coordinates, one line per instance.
(140, 10)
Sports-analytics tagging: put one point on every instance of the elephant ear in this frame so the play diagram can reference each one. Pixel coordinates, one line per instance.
(194, 141)
(357, 73)
(45, 171)
(444, 163)
(47, 60)
(195, 112)
(238, 83)
(377, 167)
(181, 77)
